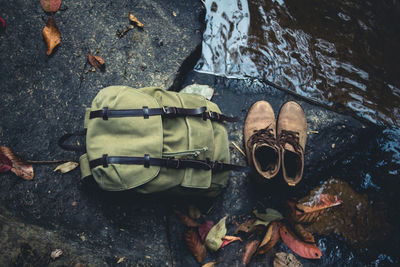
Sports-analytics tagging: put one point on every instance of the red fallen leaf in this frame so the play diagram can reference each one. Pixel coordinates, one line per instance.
(50, 5)
(19, 166)
(2, 24)
(96, 61)
(5, 163)
(51, 35)
(196, 246)
(226, 240)
(189, 222)
(305, 250)
(249, 251)
(204, 229)
(320, 202)
(303, 233)
(271, 238)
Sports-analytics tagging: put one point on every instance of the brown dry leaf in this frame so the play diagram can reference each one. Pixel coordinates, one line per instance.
(19, 166)
(194, 212)
(303, 233)
(319, 202)
(5, 163)
(66, 167)
(305, 250)
(250, 226)
(209, 264)
(135, 20)
(96, 61)
(283, 259)
(121, 260)
(297, 216)
(226, 240)
(249, 251)
(50, 5)
(189, 222)
(196, 246)
(51, 35)
(271, 238)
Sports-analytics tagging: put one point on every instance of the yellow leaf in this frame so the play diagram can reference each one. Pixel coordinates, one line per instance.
(66, 167)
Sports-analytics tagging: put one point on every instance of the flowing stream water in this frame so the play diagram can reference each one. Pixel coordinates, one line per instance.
(343, 54)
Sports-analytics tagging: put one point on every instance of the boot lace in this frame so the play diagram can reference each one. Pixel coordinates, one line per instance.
(265, 136)
(291, 138)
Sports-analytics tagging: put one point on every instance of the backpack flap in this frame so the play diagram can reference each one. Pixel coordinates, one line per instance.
(123, 137)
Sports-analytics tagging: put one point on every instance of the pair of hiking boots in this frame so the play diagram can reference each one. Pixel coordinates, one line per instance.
(271, 146)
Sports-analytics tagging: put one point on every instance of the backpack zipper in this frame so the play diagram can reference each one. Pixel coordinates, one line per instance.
(194, 152)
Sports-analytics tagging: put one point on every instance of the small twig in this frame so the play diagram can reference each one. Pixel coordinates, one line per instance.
(47, 161)
(238, 148)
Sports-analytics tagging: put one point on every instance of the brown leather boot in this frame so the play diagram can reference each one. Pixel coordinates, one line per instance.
(262, 150)
(292, 134)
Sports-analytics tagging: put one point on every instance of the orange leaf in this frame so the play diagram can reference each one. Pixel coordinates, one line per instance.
(51, 35)
(50, 5)
(271, 238)
(305, 250)
(189, 222)
(303, 233)
(298, 216)
(196, 246)
(226, 240)
(19, 166)
(135, 20)
(96, 61)
(319, 202)
(249, 251)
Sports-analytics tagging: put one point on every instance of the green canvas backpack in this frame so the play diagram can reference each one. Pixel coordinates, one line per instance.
(153, 140)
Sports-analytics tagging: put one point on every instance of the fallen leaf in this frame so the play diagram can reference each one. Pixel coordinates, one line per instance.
(19, 166)
(283, 259)
(297, 216)
(271, 238)
(121, 260)
(217, 232)
(189, 222)
(135, 20)
(204, 229)
(209, 264)
(269, 216)
(226, 240)
(2, 24)
(51, 35)
(303, 233)
(319, 202)
(249, 251)
(194, 212)
(195, 245)
(66, 167)
(305, 250)
(5, 163)
(250, 226)
(50, 5)
(198, 89)
(56, 253)
(96, 61)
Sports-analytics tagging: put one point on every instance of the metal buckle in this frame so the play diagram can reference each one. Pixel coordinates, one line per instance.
(178, 163)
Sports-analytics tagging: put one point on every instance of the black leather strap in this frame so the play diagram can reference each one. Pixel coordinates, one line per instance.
(65, 137)
(173, 163)
(105, 113)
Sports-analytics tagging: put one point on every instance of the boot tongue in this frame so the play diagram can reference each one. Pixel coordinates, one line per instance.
(289, 147)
